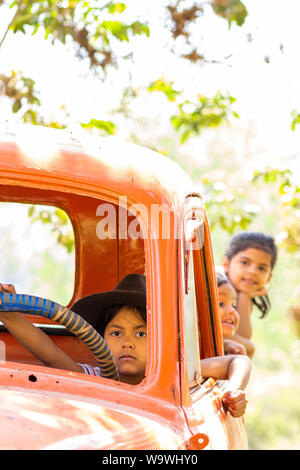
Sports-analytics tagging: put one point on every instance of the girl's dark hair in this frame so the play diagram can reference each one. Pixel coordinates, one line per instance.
(221, 279)
(112, 311)
(258, 240)
(263, 304)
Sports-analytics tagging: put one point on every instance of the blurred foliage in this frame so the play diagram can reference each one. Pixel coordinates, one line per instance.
(89, 25)
(231, 10)
(296, 119)
(289, 196)
(227, 207)
(105, 127)
(289, 236)
(21, 90)
(92, 27)
(294, 315)
(283, 421)
(58, 222)
(55, 279)
(32, 116)
(128, 95)
(182, 17)
(95, 28)
(192, 118)
(185, 14)
(67, 20)
(165, 87)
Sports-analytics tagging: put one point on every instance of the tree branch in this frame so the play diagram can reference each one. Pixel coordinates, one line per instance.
(11, 22)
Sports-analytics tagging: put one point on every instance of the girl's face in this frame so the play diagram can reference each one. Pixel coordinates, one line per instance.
(249, 271)
(227, 305)
(126, 335)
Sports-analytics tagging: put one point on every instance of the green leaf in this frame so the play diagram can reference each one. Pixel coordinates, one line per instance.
(165, 87)
(31, 211)
(231, 10)
(16, 106)
(296, 120)
(107, 127)
(117, 29)
(140, 28)
(113, 7)
(192, 118)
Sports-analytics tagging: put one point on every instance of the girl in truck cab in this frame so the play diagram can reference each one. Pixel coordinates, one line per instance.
(230, 319)
(120, 316)
(248, 262)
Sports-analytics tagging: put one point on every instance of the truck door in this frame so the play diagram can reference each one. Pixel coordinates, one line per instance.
(210, 425)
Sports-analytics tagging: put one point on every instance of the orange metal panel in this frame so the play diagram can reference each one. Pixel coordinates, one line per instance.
(70, 410)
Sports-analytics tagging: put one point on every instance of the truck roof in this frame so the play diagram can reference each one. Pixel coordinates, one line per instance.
(45, 155)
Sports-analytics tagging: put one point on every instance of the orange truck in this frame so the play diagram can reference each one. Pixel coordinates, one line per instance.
(132, 211)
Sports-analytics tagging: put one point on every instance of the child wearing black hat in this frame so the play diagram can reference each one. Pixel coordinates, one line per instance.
(120, 316)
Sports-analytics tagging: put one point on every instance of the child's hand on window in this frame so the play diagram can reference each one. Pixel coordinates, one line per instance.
(235, 402)
(260, 292)
(7, 288)
(232, 347)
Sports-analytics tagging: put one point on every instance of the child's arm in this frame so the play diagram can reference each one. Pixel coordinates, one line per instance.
(244, 308)
(247, 344)
(233, 347)
(34, 339)
(237, 370)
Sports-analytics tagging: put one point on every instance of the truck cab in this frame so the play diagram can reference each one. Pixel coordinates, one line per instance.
(132, 210)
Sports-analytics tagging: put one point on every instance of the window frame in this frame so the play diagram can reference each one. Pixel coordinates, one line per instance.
(208, 321)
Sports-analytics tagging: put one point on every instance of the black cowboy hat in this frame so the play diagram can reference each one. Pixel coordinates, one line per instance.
(131, 290)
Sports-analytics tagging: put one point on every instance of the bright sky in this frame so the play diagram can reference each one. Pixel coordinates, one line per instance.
(266, 93)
